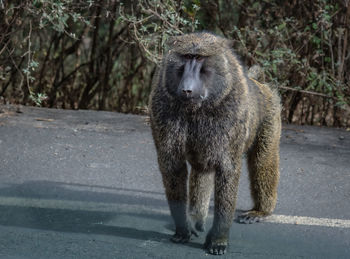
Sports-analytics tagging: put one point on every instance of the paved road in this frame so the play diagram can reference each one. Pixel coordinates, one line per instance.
(85, 184)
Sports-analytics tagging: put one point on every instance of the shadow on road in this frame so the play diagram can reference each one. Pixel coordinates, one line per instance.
(80, 220)
(81, 192)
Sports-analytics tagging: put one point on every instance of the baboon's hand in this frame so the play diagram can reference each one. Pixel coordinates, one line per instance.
(183, 235)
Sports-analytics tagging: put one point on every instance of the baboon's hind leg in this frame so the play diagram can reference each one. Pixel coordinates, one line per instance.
(263, 166)
(201, 186)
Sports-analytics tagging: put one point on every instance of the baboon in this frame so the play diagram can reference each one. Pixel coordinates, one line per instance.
(205, 111)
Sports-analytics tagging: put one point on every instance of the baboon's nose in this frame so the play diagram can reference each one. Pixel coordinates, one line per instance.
(188, 93)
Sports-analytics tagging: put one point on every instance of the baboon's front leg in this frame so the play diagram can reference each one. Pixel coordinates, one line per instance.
(175, 183)
(226, 186)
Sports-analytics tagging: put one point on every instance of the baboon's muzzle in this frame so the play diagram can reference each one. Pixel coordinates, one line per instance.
(191, 87)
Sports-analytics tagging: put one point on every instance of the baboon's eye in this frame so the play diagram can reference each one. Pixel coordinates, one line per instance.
(193, 56)
(188, 56)
(199, 58)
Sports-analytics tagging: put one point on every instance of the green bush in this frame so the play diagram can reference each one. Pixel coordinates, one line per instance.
(102, 54)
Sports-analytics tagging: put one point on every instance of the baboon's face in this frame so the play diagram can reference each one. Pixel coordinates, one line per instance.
(191, 86)
(187, 78)
(198, 69)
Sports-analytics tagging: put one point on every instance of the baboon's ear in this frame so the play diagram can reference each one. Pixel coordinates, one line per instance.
(228, 43)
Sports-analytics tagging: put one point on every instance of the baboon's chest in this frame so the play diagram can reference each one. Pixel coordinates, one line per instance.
(205, 143)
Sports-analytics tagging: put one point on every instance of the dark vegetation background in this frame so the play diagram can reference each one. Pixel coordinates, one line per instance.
(102, 54)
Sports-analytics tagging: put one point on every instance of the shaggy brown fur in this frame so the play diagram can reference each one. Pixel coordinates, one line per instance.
(236, 116)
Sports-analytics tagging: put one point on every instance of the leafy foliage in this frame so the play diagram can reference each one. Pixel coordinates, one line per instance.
(102, 54)
(154, 21)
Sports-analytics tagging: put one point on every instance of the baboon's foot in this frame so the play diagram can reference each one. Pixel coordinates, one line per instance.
(183, 235)
(198, 220)
(215, 246)
(252, 216)
(200, 226)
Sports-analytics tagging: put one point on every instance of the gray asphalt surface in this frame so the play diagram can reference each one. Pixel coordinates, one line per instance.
(85, 184)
